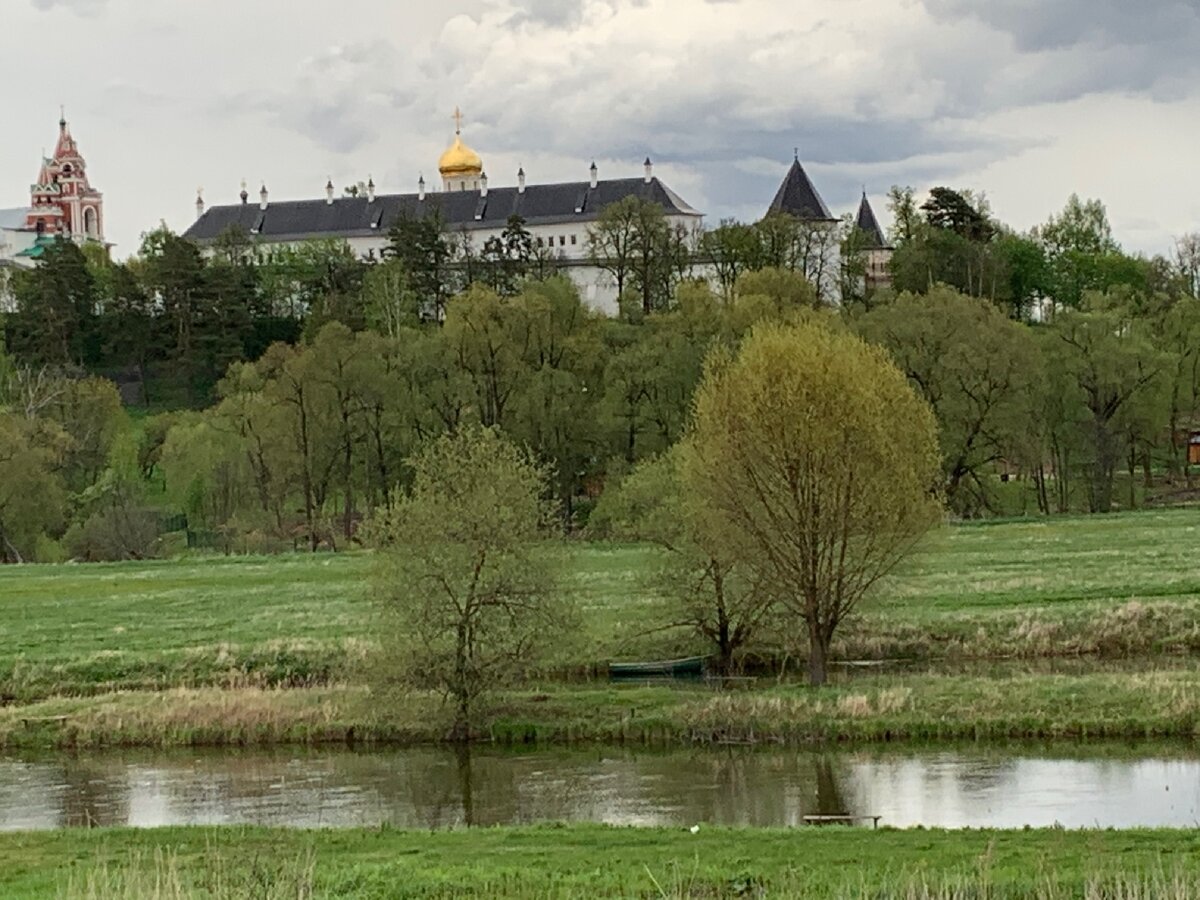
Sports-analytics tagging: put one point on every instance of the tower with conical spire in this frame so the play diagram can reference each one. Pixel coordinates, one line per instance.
(62, 200)
(874, 245)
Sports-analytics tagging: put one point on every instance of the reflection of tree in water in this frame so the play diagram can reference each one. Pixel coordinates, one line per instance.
(462, 756)
(94, 792)
(830, 801)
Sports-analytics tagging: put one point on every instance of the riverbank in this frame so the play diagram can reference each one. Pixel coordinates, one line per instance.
(597, 861)
(867, 708)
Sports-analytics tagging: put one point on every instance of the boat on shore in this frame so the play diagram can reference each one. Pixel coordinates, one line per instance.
(688, 667)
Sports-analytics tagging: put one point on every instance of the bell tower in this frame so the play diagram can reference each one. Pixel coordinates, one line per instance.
(62, 200)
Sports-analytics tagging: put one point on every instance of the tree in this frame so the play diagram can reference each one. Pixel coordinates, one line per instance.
(633, 241)
(470, 601)
(731, 249)
(1077, 242)
(817, 464)
(714, 594)
(426, 256)
(56, 303)
(1110, 361)
(32, 499)
(974, 368)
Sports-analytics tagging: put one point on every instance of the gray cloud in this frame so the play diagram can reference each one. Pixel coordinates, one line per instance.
(1067, 23)
(549, 13)
(1071, 47)
(82, 7)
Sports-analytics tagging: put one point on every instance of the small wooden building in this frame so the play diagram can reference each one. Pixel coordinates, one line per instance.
(1193, 456)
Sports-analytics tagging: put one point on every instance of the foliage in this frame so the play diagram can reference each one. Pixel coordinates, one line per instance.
(469, 601)
(816, 464)
(976, 369)
(713, 592)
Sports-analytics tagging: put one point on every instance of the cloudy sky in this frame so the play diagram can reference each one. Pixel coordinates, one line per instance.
(1027, 100)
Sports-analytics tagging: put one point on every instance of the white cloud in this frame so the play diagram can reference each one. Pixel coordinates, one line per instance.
(168, 96)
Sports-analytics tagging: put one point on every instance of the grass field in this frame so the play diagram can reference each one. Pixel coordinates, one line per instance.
(598, 861)
(1115, 586)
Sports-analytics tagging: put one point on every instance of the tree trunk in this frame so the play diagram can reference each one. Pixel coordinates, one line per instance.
(818, 655)
(462, 690)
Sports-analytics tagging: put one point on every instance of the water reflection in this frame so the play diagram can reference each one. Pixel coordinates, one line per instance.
(436, 788)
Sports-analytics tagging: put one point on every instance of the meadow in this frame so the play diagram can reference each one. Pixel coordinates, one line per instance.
(599, 861)
(1116, 586)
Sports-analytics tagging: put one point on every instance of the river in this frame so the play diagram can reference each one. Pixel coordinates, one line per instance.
(1076, 786)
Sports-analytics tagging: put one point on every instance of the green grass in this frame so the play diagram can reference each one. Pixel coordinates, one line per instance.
(1116, 586)
(592, 861)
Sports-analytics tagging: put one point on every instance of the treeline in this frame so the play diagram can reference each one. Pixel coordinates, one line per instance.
(1052, 360)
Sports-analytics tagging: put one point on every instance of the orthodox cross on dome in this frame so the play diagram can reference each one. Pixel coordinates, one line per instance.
(457, 117)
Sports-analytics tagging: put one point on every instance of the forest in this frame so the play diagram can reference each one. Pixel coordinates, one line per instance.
(246, 398)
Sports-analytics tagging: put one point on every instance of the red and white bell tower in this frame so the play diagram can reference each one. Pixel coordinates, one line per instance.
(63, 201)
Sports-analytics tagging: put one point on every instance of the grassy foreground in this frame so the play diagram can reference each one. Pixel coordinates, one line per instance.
(597, 861)
(924, 706)
(1107, 585)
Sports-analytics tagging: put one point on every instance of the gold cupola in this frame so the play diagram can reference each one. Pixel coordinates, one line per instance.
(459, 161)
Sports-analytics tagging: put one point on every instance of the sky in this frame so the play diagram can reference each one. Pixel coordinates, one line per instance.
(1026, 101)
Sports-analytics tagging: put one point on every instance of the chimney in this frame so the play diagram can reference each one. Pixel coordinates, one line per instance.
(521, 180)
(595, 174)
(199, 202)
(329, 192)
(483, 184)
(649, 170)
(262, 197)
(245, 195)
(370, 189)
(421, 188)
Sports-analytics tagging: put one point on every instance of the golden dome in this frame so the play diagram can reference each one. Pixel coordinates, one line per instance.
(460, 160)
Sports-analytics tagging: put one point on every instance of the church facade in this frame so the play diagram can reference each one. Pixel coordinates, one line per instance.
(62, 203)
(557, 216)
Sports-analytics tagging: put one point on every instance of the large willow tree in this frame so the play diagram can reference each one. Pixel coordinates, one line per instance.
(817, 465)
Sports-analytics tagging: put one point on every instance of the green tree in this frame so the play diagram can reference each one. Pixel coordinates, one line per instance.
(713, 594)
(1113, 365)
(56, 305)
(731, 249)
(817, 465)
(470, 600)
(633, 242)
(427, 259)
(32, 497)
(975, 368)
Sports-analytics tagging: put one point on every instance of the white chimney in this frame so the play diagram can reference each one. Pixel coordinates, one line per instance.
(521, 180)
(421, 188)
(370, 189)
(329, 192)
(595, 174)
(649, 170)
(199, 202)
(483, 184)
(262, 197)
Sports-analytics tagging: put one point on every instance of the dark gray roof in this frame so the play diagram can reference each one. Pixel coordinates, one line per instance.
(798, 197)
(539, 204)
(869, 226)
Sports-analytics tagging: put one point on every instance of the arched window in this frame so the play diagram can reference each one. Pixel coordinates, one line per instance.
(91, 224)
(41, 226)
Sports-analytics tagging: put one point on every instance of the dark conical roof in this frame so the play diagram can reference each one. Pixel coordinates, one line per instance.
(869, 226)
(798, 197)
